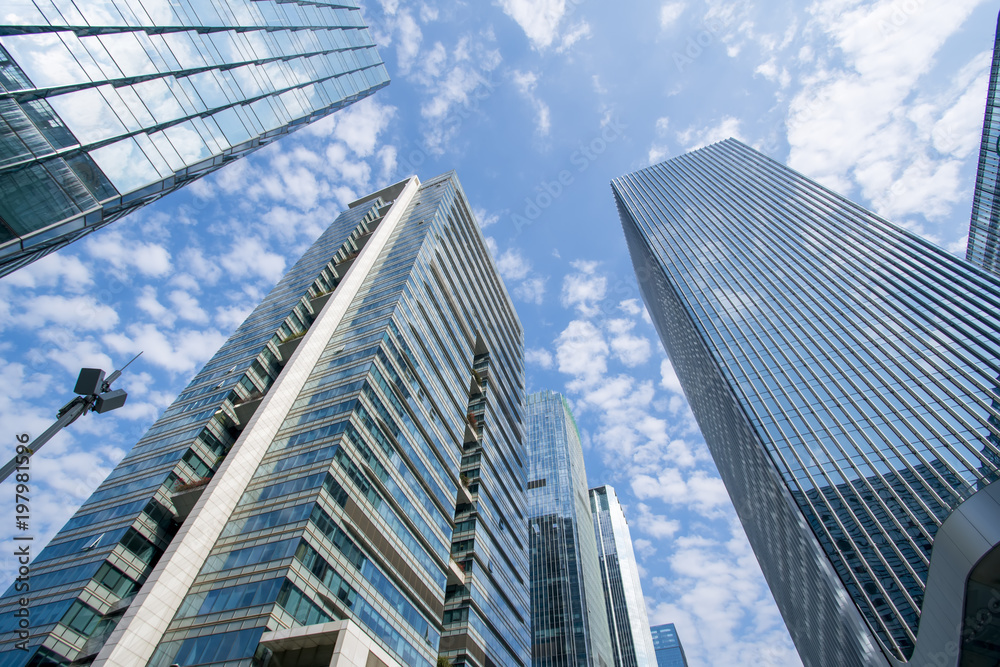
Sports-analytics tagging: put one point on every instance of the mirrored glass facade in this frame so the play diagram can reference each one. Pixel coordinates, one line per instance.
(984, 229)
(844, 374)
(569, 623)
(314, 472)
(631, 641)
(669, 652)
(107, 105)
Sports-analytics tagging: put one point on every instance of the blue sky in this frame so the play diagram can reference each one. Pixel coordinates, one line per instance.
(537, 104)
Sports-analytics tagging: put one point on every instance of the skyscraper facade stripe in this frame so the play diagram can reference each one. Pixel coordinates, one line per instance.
(984, 228)
(107, 106)
(302, 491)
(569, 622)
(844, 374)
(631, 640)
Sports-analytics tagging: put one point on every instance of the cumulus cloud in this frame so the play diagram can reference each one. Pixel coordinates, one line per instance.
(581, 351)
(702, 491)
(112, 247)
(696, 137)
(78, 312)
(716, 590)
(512, 265)
(539, 19)
(526, 83)
(584, 289)
(655, 525)
(630, 349)
(516, 272)
(62, 269)
(669, 379)
(669, 13)
(539, 356)
(248, 257)
(180, 353)
(868, 122)
(531, 290)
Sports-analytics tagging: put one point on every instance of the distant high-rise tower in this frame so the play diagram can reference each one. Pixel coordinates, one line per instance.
(669, 652)
(312, 496)
(569, 623)
(984, 230)
(108, 105)
(844, 373)
(631, 640)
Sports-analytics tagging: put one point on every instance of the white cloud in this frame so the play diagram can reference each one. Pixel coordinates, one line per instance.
(516, 271)
(187, 307)
(717, 592)
(50, 270)
(694, 138)
(669, 379)
(180, 353)
(631, 350)
(408, 45)
(512, 265)
(870, 122)
(206, 270)
(575, 33)
(581, 351)
(230, 317)
(531, 290)
(526, 83)
(112, 247)
(699, 490)
(538, 18)
(655, 525)
(584, 289)
(670, 12)
(249, 258)
(77, 312)
(539, 356)
(149, 303)
(643, 547)
(359, 125)
(485, 219)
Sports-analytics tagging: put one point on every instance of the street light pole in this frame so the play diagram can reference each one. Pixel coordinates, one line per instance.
(93, 393)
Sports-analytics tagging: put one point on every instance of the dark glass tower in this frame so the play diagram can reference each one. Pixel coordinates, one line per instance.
(628, 622)
(569, 623)
(108, 105)
(302, 500)
(984, 229)
(844, 374)
(669, 652)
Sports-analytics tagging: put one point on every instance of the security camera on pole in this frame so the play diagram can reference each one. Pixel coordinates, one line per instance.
(94, 393)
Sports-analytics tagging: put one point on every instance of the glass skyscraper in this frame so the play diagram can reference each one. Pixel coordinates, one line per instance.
(107, 105)
(631, 640)
(569, 623)
(984, 229)
(669, 652)
(844, 373)
(311, 496)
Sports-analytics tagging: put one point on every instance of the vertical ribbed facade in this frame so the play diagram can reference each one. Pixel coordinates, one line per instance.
(844, 374)
(107, 106)
(669, 651)
(569, 622)
(304, 487)
(628, 622)
(984, 229)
